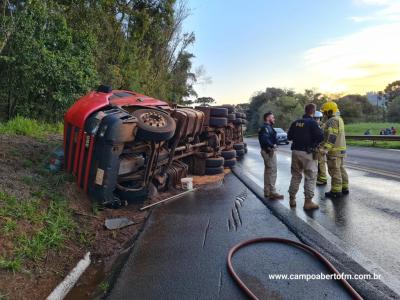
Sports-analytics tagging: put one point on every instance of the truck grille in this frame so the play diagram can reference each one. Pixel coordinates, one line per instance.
(78, 149)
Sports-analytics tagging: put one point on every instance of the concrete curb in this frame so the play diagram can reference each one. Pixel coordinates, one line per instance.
(368, 289)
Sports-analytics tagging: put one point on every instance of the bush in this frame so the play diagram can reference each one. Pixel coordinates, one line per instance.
(28, 127)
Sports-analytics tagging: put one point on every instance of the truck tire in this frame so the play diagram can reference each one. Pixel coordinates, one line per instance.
(228, 154)
(240, 153)
(231, 117)
(231, 108)
(219, 112)
(154, 125)
(218, 122)
(214, 162)
(238, 146)
(230, 163)
(240, 115)
(215, 171)
(238, 121)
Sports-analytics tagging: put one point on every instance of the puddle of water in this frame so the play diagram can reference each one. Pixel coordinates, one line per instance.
(88, 285)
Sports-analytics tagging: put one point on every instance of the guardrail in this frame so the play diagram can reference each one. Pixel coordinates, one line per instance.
(374, 138)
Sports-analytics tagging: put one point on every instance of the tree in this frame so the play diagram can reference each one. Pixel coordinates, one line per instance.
(205, 101)
(51, 65)
(392, 90)
(393, 113)
(188, 102)
(64, 48)
(356, 108)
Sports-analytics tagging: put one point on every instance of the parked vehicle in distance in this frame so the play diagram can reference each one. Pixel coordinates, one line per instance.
(281, 136)
(120, 144)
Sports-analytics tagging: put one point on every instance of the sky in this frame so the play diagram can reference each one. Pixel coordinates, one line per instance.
(332, 46)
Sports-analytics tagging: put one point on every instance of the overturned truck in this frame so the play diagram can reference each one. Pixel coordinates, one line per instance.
(119, 144)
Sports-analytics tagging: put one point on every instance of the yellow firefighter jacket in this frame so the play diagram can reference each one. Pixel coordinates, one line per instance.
(334, 137)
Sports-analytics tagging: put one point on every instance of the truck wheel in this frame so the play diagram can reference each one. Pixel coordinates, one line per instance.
(219, 112)
(240, 115)
(230, 163)
(240, 153)
(231, 108)
(214, 171)
(228, 154)
(214, 162)
(238, 146)
(231, 117)
(154, 125)
(218, 122)
(238, 121)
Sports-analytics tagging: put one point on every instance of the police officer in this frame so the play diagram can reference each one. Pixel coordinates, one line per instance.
(306, 136)
(335, 146)
(321, 177)
(268, 142)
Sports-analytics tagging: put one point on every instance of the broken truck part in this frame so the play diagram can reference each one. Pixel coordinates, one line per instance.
(119, 144)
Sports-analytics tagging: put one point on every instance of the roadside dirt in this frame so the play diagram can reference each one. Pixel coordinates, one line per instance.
(20, 158)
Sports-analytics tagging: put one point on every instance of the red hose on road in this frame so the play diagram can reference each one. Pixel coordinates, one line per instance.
(302, 246)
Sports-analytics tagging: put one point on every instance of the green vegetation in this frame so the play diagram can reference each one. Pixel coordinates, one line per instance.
(288, 106)
(33, 225)
(52, 52)
(33, 228)
(29, 127)
(104, 286)
(375, 128)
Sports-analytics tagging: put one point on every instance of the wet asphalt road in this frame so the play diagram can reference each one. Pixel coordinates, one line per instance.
(182, 252)
(377, 159)
(367, 221)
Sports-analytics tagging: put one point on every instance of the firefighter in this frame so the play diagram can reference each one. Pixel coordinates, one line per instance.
(306, 136)
(268, 142)
(322, 176)
(335, 147)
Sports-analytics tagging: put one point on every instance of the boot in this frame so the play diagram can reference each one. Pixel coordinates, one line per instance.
(292, 201)
(333, 195)
(275, 196)
(309, 204)
(345, 191)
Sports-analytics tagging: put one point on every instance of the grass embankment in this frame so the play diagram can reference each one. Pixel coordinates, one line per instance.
(34, 214)
(28, 127)
(375, 128)
(36, 221)
(47, 224)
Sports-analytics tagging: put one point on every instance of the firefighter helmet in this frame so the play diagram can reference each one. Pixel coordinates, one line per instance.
(330, 106)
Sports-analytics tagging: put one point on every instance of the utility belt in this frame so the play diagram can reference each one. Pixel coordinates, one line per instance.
(309, 150)
(269, 151)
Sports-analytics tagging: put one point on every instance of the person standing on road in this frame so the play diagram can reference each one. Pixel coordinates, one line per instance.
(322, 173)
(335, 146)
(306, 136)
(268, 144)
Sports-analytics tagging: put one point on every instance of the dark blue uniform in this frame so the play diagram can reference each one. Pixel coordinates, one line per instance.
(267, 136)
(305, 134)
